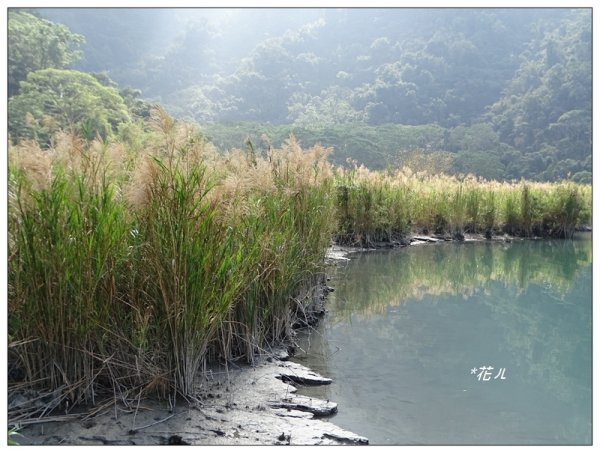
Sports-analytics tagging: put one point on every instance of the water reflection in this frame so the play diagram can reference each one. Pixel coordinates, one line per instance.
(377, 280)
(406, 327)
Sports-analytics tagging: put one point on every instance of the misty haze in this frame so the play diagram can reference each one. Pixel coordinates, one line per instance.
(500, 93)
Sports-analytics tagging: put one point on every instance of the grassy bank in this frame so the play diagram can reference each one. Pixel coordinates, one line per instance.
(133, 263)
(381, 206)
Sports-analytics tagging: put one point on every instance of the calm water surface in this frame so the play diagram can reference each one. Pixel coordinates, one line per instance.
(409, 330)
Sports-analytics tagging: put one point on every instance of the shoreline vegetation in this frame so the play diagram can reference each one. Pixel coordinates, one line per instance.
(135, 264)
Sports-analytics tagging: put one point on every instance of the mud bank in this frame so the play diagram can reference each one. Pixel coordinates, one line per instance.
(339, 252)
(341, 248)
(253, 405)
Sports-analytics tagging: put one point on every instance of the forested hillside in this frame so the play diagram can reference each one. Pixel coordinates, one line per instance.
(501, 93)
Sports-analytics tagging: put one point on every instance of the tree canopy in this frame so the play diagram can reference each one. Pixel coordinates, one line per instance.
(35, 43)
(507, 88)
(54, 99)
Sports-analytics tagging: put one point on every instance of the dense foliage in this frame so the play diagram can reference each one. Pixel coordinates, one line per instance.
(515, 83)
(545, 111)
(35, 43)
(130, 269)
(51, 100)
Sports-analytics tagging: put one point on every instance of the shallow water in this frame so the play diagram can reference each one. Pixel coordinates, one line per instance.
(409, 330)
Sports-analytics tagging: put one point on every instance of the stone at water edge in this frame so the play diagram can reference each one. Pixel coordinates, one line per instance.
(426, 239)
(299, 374)
(318, 407)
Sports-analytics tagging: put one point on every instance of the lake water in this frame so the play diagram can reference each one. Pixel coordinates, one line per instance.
(409, 331)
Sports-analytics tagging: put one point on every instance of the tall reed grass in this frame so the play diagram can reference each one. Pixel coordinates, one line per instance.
(131, 266)
(377, 206)
(129, 271)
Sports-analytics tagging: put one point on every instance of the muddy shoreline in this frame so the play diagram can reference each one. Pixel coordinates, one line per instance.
(251, 405)
(341, 252)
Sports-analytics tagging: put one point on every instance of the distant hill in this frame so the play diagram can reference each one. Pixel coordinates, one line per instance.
(515, 83)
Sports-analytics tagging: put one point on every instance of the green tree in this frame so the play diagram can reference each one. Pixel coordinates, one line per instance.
(61, 99)
(35, 44)
(331, 107)
(138, 107)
